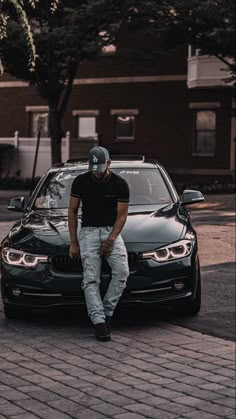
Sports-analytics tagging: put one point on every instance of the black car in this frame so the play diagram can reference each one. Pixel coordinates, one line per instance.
(36, 271)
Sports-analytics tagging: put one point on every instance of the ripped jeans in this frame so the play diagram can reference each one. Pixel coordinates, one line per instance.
(90, 240)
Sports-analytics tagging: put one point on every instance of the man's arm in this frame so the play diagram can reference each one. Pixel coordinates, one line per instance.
(122, 212)
(73, 225)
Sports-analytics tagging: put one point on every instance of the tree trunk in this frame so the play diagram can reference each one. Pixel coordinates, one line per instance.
(56, 134)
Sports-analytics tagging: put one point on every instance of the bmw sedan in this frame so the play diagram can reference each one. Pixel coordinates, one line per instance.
(36, 271)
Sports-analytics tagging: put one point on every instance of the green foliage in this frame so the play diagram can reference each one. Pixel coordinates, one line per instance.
(7, 8)
(215, 187)
(66, 33)
(63, 39)
(17, 183)
(208, 25)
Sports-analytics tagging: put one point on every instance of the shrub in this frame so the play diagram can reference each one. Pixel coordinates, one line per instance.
(18, 183)
(214, 187)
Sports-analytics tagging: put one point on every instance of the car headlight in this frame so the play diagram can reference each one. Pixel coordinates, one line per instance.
(18, 258)
(173, 251)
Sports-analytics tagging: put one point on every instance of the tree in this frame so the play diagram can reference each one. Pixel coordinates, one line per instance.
(76, 30)
(17, 8)
(208, 25)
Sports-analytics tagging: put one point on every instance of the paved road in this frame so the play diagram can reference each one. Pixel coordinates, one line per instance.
(51, 366)
(214, 221)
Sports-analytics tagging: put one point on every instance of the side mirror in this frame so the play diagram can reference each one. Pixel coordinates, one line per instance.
(16, 204)
(192, 197)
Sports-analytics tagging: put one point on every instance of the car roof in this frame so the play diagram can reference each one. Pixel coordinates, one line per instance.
(117, 162)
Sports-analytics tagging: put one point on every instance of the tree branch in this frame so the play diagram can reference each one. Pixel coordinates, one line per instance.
(224, 60)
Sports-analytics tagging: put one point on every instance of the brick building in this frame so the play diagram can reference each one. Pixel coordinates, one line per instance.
(178, 110)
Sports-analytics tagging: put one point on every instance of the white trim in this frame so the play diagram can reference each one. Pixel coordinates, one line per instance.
(204, 105)
(4, 84)
(89, 112)
(36, 108)
(124, 112)
(131, 79)
(108, 80)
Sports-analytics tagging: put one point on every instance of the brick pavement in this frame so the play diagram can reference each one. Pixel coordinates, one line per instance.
(53, 368)
(57, 370)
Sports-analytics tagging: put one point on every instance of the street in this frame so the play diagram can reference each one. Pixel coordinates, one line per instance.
(214, 221)
(156, 366)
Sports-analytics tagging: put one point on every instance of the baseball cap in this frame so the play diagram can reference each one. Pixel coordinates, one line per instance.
(98, 157)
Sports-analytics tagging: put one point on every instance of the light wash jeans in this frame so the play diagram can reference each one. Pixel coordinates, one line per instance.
(90, 240)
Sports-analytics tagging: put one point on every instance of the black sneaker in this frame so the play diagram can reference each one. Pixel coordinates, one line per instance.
(108, 323)
(102, 332)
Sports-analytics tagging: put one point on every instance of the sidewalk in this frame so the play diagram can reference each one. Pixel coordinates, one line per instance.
(53, 368)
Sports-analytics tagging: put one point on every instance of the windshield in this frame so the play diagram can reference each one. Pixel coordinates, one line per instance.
(147, 187)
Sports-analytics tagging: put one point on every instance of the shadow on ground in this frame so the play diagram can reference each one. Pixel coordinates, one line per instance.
(213, 218)
(216, 203)
(217, 316)
(127, 319)
(219, 267)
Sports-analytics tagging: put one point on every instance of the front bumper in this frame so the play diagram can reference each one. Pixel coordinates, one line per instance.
(149, 282)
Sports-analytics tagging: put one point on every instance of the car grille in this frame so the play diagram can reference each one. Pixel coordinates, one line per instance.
(64, 264)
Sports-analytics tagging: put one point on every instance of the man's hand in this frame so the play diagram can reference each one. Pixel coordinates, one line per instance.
(106, 247)
(74, 251)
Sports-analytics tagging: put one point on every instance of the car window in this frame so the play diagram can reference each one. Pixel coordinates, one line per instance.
(147, 186)
(55, 191)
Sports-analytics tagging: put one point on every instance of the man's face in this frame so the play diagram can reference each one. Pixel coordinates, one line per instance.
(101, 175)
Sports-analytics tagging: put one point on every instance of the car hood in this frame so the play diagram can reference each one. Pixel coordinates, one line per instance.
(146, 227)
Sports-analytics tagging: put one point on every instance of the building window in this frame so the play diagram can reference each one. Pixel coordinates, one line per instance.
(124, 124)
(86, 123)
(124, 127)
(86, 126)
(204, 133)
(39, 122)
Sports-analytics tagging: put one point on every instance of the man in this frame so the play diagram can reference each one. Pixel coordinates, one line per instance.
(104, 196)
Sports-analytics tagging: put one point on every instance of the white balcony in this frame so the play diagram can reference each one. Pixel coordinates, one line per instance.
(206, 71)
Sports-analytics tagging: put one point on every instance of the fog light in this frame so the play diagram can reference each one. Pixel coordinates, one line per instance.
(16, 292)
(179, 285)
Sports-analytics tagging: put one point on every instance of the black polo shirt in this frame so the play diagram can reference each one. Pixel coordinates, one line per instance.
(99, 198)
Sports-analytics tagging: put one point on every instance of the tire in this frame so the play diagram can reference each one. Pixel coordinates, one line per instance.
(13, 313)
(193, 307)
